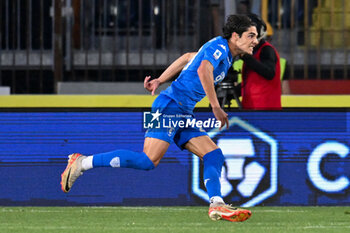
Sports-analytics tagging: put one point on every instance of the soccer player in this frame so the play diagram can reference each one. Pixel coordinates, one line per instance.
(197, 79)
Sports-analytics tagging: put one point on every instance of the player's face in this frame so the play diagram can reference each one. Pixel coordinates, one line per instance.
(247, 41)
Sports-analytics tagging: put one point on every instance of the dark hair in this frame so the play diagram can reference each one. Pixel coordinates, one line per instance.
(260, 24)
(238, 24)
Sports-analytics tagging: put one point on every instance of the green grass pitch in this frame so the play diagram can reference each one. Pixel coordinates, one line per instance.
(170, 219)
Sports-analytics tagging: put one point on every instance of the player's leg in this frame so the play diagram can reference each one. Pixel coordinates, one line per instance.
(155, 145)
(154, 150)
(213, 161)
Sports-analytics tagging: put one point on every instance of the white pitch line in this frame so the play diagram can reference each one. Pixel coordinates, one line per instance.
(279, 211)
(100, 209)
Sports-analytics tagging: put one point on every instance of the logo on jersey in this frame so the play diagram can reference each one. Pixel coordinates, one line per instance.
(219, 78)
(249, 174)
(217, 54)
(223, 47)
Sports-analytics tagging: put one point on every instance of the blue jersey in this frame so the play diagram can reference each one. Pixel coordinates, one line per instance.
(187, 89)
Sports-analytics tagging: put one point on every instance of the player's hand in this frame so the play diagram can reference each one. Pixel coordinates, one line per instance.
(152, 85)
(221, 116)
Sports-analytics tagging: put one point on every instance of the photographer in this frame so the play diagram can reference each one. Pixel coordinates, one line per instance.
(261, 85)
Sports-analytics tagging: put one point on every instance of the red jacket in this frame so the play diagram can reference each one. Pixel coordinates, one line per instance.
(258, 92)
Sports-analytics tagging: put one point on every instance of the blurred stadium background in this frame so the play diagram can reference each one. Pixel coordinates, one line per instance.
(47, 45)
(71, 74)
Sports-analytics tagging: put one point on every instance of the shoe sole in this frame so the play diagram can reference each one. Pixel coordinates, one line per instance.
(237, 216)
(66, 173)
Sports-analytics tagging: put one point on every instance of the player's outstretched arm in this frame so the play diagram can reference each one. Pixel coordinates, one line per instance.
(205, 73)
(176, 67)
(169, 73)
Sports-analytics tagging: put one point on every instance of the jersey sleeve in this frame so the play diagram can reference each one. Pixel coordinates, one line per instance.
(214, 54)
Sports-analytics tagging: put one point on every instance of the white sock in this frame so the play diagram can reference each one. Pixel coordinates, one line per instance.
(86, 163)
(216, 199)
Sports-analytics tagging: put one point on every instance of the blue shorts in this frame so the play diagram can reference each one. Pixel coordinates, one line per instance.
(177, 134)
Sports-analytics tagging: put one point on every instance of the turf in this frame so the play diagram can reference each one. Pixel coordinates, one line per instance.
(170, 219)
